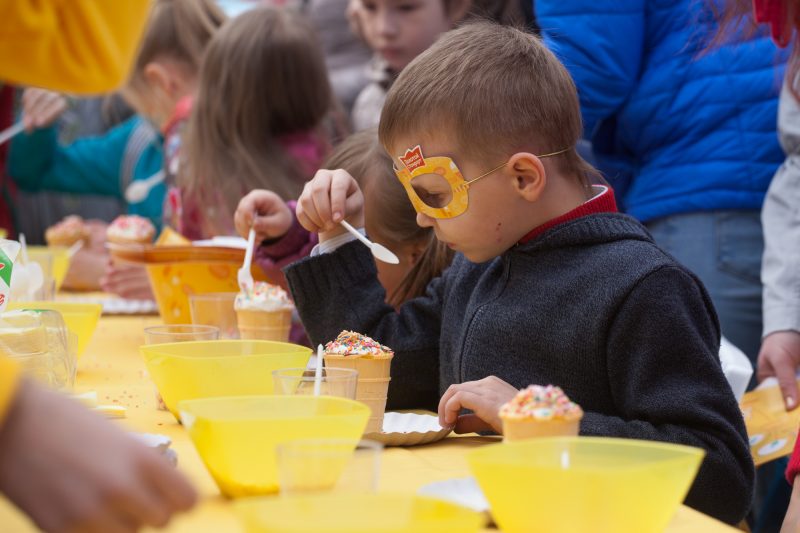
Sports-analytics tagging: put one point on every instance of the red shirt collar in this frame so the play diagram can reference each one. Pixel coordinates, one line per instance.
(603, 202)
(181, 112)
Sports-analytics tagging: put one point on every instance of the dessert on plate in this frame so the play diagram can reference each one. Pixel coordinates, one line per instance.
(264, 313)
(130, 229)
(540, 411)
(373, 362)
(67, 232)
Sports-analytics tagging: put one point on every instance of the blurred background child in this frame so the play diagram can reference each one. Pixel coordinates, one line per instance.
(257, 122)
(398, 32)
(163, 80)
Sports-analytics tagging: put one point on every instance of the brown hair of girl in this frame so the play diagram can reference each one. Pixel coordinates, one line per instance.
(263, 77)
(389, 212)
(178, 30)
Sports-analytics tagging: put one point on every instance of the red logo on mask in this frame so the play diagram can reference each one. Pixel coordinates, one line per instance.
(413, 159)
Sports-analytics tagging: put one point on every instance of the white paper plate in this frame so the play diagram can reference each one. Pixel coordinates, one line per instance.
(461, 491)
(120, 306)
(409, 429)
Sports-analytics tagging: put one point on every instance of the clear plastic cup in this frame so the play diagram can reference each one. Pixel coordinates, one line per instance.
(341, 382)
(321, 465)
(180, 333)
(41, 344)
(215, 309)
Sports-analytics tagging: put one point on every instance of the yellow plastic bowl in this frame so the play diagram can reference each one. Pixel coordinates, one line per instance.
(208, 369)
(59, 260)
(584, 484)
(355, 513)
(172, 284)
(81, 319)
(236, 436)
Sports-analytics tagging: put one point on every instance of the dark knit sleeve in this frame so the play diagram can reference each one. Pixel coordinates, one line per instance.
(340, 290)
(668, 385)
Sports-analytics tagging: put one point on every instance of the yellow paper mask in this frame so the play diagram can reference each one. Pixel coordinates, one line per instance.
(436, 186)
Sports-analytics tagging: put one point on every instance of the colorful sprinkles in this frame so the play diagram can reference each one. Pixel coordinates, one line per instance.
(352, 343)
(541, 403)
(131, 227)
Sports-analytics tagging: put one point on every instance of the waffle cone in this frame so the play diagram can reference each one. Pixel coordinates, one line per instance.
(367, 367)
(264, 325)
(373, 382)
(374, 425)
(515, 429)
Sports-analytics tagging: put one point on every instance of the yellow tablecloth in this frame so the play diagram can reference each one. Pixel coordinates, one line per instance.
(113, 367)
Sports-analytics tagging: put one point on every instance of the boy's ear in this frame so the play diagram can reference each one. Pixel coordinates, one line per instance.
(158, 76)
(457, 10)
(529, 175)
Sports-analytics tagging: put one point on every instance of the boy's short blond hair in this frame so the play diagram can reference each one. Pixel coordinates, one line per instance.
(495, 90)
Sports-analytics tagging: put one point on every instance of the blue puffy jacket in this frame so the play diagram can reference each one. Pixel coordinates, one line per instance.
(675, 130)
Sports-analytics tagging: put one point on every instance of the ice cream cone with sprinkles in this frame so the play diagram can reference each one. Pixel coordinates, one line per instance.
(540, 412)
(264, 313)
(373, 362)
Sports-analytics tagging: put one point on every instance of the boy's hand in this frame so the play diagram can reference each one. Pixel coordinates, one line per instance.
(780, 358)
(40, 108)
(273, 218)
(70, 470)
(484, 398)
(329, 198)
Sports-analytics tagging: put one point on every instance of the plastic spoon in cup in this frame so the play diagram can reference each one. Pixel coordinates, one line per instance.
(380, 252)
(8, 133)
(318, 372)
(244, 276)
(137, 191)
(74, 249)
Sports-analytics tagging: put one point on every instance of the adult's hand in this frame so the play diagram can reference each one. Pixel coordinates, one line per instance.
(780, 358)
(71, 470)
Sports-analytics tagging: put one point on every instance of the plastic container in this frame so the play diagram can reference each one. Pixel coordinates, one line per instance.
(339, 382)
(80, 318)
(215, 309)
(40, 342)
(356, 513)
(207, 369)
(237, 436)
(180, 333)
(584, 483)
(54, 261)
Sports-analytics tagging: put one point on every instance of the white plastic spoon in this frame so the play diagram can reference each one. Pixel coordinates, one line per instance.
(318, 372)
(380, 252)
(137, 191)
(8, 133)
(244, 276)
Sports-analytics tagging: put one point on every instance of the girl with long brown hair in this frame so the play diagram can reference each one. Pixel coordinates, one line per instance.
(256, 123)
(390, 220)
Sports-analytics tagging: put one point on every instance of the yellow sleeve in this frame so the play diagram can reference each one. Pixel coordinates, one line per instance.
(9, 379)
(75, 46)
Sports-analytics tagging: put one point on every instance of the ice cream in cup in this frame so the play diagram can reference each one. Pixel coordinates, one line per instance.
(539, 411)
(373, 362)
(265, 313)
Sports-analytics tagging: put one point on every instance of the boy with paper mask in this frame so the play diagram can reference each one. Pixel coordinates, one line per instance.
(551, 284)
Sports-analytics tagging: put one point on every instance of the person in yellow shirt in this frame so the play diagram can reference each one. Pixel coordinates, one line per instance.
(65, 467)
